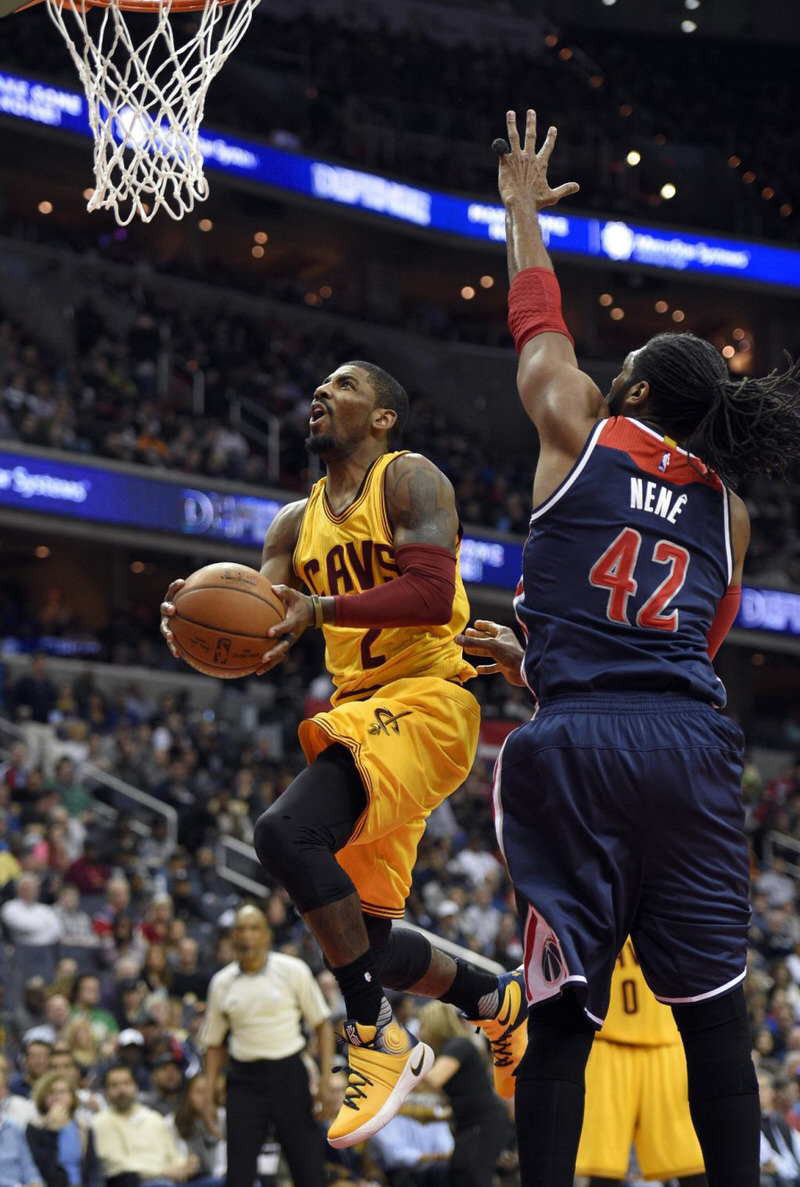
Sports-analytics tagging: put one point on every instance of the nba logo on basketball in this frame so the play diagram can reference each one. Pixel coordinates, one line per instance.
(552, 960)
(222, 651)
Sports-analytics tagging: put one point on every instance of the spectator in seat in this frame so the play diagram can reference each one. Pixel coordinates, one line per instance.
(124, 943)
(88, 873)
(166, 1079)
(30, 1011)
(33, 697)
(62, 1145)
(28, 921)
(86, 1004)
(35, 1061)
(780, 1145)
(77, 799)
(131, 1054)
(185, 903)
(192, 1133)
(76, 924)
(134, 1143)
(19, 1109)
(63, 1061)
(17, 1168)
(117, 905)
(187, 976)
(57, 1016)
(481, 919)
(83, 1045)
(155, 928)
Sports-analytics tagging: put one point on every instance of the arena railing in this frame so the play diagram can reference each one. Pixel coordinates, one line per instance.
(119, 789)
(269, 439)
(778, 844)
(228, 847)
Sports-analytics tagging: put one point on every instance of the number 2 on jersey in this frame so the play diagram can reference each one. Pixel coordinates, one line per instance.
(614, 571)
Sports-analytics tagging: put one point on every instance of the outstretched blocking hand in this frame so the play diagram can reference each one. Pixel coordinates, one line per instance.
(523, 171)
(500, 644)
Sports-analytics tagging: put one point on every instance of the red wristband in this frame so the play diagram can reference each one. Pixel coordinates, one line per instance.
(727, 609)
(534, 306)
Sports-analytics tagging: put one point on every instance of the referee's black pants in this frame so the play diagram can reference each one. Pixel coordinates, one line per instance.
(266, 1094)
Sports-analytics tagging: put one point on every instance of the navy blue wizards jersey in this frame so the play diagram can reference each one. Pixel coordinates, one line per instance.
(623, 569)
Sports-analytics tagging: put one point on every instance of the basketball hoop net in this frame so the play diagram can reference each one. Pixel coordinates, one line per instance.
(146, 90)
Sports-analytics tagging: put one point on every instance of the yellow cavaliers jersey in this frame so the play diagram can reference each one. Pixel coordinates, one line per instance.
(353, 552)
(634, 1015)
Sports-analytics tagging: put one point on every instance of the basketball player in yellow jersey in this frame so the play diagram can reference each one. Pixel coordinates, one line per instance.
(637, 1091)
(376, 545)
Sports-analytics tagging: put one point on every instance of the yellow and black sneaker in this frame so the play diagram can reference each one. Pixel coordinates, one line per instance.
(385, 1064)
(507, 1032)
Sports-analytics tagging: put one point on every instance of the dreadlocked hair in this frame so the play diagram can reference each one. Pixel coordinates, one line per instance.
(736, 426)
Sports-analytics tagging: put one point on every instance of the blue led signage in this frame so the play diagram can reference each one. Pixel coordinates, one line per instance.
(603, 239)
(151, 504)
(136, 501)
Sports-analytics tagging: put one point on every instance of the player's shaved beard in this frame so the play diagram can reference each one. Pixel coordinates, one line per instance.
(615, 400)
(320, 443)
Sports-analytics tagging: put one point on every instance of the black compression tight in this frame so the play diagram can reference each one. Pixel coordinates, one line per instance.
(723, 1090)
(550, 1092)
(297, 837)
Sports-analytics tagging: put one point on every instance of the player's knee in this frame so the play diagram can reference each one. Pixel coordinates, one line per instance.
(275, 839)
(717, 1042)
(404, 958)
(560, 1038)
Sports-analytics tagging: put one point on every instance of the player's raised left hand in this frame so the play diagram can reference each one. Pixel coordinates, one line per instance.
(523, 171)
(299, 617)
(500, 644)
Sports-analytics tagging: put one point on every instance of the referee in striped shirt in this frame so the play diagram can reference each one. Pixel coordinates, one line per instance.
(258, 1003)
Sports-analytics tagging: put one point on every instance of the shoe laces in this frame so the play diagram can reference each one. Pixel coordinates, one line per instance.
(501, 1048)
(353, 1093)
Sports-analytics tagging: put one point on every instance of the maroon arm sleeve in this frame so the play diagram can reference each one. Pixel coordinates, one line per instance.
(421, 596)
(727, 609)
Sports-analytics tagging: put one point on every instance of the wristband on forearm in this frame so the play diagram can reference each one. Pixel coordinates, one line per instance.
(316, 605)
(534, 306)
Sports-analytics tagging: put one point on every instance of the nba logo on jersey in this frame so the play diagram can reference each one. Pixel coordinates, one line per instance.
(664, 463)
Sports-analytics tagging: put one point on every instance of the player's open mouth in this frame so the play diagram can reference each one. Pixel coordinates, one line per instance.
(318, 411)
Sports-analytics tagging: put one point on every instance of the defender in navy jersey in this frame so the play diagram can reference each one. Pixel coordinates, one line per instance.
(618, 805)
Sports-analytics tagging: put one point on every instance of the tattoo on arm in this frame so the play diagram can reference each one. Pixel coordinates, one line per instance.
(420, 503)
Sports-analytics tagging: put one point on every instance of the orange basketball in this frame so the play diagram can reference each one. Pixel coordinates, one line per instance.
(222, 615)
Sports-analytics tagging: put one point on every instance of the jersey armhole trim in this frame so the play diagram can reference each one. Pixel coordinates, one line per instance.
(728, 528)
(293, 561)
(574, 473)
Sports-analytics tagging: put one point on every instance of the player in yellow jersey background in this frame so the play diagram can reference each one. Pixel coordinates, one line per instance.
(636, 1090)
(376, 544)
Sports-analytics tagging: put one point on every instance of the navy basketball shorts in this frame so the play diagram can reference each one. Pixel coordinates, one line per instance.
(621, 814)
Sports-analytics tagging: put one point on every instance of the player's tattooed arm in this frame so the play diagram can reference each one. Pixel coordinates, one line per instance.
(279, 545)
(420, 503)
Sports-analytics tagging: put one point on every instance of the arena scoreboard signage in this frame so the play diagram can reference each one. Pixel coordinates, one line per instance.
(97, 494)
(611, 240)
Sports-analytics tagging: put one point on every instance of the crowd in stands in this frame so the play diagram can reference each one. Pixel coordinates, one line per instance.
(104, 400)
(110, 937)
